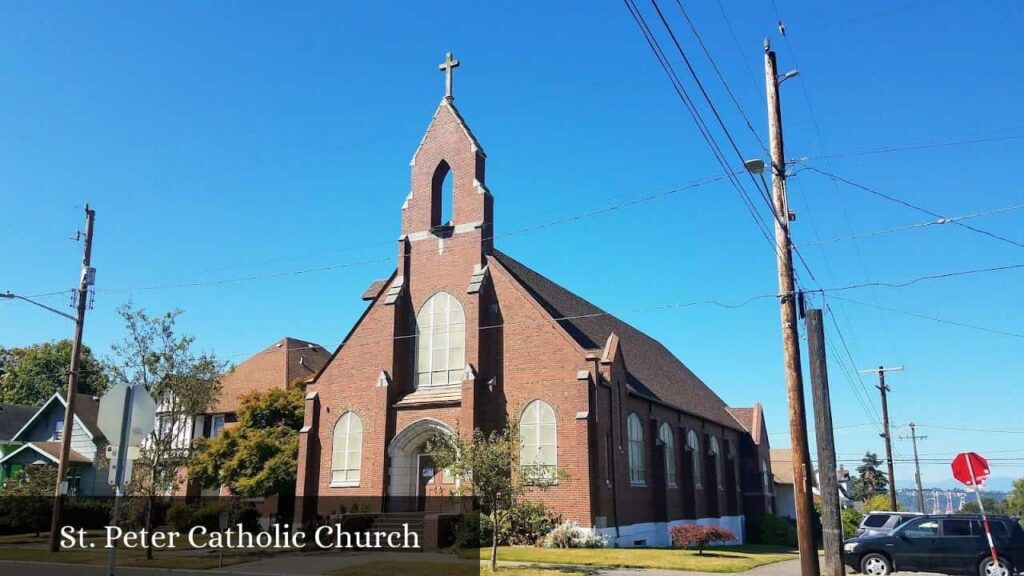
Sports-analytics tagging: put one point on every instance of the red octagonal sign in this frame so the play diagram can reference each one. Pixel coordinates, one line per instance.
(970, 468)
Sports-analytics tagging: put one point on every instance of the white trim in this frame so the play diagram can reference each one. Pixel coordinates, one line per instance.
(345, 484)
(40, 411)
(29, 445)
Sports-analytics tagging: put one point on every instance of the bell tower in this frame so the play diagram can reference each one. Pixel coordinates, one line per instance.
(449, 150)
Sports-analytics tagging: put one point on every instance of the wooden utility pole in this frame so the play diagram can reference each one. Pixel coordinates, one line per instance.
(790, 337)
(828, 482)
(884, 390)
(86, 280)
(917, 465)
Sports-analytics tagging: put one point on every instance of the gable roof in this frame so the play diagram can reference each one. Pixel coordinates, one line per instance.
(652, 370)
(276, 366)
(51, 450)
(86, 412)
(12, 418)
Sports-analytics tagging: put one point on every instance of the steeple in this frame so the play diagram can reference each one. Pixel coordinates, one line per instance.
(448, 150)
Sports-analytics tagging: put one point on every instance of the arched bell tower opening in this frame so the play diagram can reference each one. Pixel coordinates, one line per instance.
(441, 197)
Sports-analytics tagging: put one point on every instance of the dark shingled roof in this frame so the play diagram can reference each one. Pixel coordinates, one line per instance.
(87, 409)
(13, 417)
(652, 369)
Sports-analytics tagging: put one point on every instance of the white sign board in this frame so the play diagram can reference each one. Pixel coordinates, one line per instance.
(111, 415)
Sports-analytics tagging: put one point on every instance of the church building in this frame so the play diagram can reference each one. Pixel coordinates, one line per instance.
(463, 336)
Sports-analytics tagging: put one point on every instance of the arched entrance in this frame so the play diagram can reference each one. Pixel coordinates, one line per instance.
(409, 465)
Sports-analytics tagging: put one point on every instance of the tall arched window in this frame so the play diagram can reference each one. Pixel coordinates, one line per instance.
(668, 439)
(440, 341)
(766, 486)
(538, 453)
(693, 446)
(716, 455)
(347, 450)
(441, 195)
(636, 450)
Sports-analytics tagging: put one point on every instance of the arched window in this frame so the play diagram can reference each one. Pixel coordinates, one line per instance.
(693, 446)
(348, 448)
(538, 453)
(440, 341)
(716, 455)
(668, 439)
(636, 450)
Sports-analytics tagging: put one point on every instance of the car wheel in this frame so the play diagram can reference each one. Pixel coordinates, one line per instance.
(878, 565)
(991, 568)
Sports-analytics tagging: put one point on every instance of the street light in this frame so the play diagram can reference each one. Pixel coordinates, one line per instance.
(10, 296)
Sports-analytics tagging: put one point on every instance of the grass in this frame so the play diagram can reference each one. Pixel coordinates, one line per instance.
(384, 568)
(136, 558)
(724, 559)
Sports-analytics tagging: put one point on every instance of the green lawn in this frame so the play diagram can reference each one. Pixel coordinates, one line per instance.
(719, 559)
(162, 559)
(381, 568)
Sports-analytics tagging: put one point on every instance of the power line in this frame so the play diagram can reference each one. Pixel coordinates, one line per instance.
(937, 222)
(907, 204)
(983, 430)
(932, 318)
(915, 146)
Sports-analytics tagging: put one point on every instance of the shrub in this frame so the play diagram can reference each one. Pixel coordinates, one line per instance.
(880, 502)
(771, 530)
(469, 529)
(180, 516)
(851, 521)
(87, 513)
(209, 516)
(570, 535)
(693, 535)
(528, 524)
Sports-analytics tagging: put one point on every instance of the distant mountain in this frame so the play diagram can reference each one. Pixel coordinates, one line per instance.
(994, 484)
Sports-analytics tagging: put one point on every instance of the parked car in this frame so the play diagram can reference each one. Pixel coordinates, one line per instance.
(881, 522)
(945, 544)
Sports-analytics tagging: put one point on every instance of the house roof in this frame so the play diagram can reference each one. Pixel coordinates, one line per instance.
(13, 417)
(276, 366)
(752, 420)
(86, 412)
(782, 465)
(51, 450)
(652, 369)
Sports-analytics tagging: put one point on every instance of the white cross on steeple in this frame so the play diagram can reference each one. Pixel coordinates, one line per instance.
(447, 66)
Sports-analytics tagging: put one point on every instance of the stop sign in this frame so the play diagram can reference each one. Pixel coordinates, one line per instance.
(970, 468)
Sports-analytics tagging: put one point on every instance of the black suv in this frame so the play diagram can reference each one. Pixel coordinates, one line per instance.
(944, 544)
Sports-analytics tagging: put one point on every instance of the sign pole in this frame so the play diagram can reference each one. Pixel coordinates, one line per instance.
(984, 518)
(119, 478)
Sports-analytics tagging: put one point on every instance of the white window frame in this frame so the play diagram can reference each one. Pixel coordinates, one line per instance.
(437, 339)
(766, 485)
(693, 447)
(58, 430)
(214, 429)
(635, 431)
(346, 466)
(530, 451)
(667, 437)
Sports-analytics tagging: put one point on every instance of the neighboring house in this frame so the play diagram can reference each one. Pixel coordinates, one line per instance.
(12, 418)
(462, 336)
(286, 362)
(782, 469)
(758, 486)
(40, 439)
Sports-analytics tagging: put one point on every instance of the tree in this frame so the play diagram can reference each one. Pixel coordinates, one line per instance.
(693, 535)
(1015, 500)
(880, 502)
(31, 375)
(259, 456)
(870, 479)
(181, 382)
(26, 499)
(490, 460)
(992, 506)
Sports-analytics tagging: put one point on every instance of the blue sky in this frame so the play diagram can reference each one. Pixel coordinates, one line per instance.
(249, 139)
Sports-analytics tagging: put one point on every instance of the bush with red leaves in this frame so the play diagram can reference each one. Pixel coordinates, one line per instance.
(700, 537)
